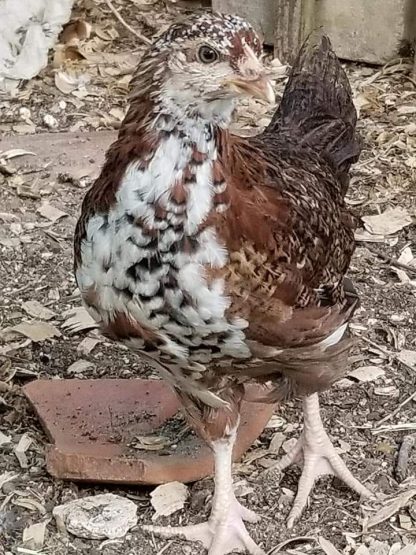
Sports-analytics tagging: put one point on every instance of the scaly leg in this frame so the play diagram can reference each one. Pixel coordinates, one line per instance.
(224, 532)
(319, 458)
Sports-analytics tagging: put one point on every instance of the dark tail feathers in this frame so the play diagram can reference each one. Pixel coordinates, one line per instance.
(317, 108)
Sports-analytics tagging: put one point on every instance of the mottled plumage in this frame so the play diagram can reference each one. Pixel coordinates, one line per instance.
(222, 259)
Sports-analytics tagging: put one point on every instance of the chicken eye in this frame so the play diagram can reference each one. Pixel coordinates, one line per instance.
(207, 55)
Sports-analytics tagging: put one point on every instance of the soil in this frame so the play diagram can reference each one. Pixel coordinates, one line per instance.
(36, 264)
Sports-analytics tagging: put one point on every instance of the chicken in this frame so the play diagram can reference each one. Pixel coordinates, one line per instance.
(222, 260)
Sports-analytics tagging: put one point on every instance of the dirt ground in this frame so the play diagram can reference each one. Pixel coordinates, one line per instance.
(367, 415)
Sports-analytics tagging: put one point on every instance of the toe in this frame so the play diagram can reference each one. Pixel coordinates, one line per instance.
(247, 515)
(194, 533)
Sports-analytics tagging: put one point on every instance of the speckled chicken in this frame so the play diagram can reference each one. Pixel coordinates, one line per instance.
(222, 260)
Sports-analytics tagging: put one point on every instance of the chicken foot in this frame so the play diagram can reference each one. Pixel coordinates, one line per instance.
(319, 458)
(225, 531)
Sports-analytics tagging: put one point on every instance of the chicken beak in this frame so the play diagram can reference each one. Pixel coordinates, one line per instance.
(258, 88)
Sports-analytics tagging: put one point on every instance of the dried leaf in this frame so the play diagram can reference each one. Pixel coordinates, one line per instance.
(276, 442)
(408, 357)
(367, 373)
(14, 153)
(407, 109)
(387, 391)
(367, 237)
(37, 331)
(406, 257)
(288, 445)
(30, 504)
(21, 448)
(275, 422)
(389, 222)
(68, 82)
(79, 367)
(50, 212)
(411, 162)
(37, 310)
(117, 113)
(391, 508)
(25, 128)
(63, 54)
(78, 320)
(168, 498)
(328, 547)
(408, 550)
(150, 443)
(87, 345)
(7, 477)
(75, 31)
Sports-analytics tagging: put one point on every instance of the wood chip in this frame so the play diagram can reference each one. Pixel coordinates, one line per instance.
(21, 448)
(168, 499)
(328, 547)
(34, 535)
(276, 442)
(367, 373)
(4, 440)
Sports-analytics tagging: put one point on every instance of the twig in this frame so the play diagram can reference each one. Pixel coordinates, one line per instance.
(401, 427)
(165, 548)
(126, 25)
(404, 453)
(398, 409)
(395, 262)
(388, 353)
(376, 346)
(302, 539)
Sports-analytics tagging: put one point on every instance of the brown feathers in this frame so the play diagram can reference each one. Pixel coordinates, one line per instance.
(226, 257)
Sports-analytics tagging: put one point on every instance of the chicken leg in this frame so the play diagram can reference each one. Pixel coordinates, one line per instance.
(225, 531)
(319, 458)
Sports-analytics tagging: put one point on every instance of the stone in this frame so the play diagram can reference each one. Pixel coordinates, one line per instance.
(92, 425)
(372, 32)
(97, 517)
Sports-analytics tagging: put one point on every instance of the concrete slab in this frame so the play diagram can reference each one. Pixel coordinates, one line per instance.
(367, 31)
(93, 423)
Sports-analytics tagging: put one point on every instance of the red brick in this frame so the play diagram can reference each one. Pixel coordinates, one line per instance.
(90, 424)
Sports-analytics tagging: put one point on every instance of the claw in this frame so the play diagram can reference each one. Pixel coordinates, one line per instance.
(319, 458)
(223, 533)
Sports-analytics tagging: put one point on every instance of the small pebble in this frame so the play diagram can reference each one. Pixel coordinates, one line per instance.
(50, 121)
(24, 113)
